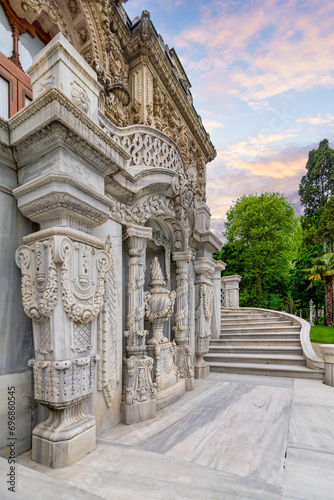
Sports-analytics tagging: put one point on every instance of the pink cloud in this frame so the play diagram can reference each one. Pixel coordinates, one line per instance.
(264, 49)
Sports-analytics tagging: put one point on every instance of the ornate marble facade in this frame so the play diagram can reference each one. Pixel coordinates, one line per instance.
(108, 167)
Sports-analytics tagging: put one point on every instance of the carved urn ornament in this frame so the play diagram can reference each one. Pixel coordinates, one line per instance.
(159, 302)
(118, 88)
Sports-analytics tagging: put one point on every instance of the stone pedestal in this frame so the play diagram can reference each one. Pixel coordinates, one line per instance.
(64, 437)
(327, 351)
(62, 292)
(159, 307)
(61, 175)
(230, 287)
(216, 312)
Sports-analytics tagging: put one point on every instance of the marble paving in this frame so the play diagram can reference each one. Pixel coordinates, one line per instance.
(234, 436)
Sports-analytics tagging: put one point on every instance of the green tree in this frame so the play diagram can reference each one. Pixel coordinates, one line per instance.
(317, 185)
(300, 291)
(325, 226)
(323, 268)
(262, 235)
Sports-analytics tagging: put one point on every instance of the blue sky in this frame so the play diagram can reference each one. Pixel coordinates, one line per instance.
(262, 75)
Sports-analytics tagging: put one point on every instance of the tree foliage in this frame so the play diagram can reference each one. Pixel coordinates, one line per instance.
(263, 234)
(317, 185)
(300, 290)
(323, 268)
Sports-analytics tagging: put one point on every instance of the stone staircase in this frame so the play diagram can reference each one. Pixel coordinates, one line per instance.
(263, 342)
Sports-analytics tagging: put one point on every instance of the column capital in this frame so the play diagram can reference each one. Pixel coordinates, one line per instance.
(131, 230)
(219, 267)
(182, 256)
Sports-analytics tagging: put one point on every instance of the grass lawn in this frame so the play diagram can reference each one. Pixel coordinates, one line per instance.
(322, 334)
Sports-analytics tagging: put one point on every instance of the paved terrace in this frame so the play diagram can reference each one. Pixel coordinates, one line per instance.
(235, 436)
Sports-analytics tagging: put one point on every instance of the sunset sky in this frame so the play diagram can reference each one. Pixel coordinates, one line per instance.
(262, 75)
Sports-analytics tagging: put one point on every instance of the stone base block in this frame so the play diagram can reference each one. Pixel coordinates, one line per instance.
(189, 383)
(327, 351)
(138, 412)
(202, 371)
(169, 396)
(57, 454)
(329, 374)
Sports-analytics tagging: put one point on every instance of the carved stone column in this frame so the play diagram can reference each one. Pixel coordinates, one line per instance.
(204, 305)
(181, 329)
(216, 314)
(159, 307)
(231, 290)
(139, 392)
(63, 292)
(63, 158)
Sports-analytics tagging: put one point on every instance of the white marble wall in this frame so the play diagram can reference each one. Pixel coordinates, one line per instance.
(16, 341)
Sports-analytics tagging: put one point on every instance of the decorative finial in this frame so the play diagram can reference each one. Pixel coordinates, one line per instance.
(156, 274)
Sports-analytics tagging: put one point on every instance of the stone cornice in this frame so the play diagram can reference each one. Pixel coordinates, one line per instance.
(157, 59)
(54, 177)
(64, 231)
(207, 238)
(55, 105)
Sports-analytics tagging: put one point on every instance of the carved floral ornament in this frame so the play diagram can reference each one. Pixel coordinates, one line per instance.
(205, 302)
(83, 270)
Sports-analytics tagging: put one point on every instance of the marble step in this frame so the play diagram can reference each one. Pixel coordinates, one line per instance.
(246, 317)
(267, 370)
(264, 341)
(268, 359)
(255, 323)
(259, 335)
(218, 348)
(261, 329)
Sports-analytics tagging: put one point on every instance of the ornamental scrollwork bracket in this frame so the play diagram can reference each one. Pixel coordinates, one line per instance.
(83, 270)
(39, 282)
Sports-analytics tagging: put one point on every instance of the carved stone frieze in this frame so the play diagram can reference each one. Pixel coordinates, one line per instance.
(53, 205)
(83, 145)
(149, 150)
(59, 382)
(139, 214)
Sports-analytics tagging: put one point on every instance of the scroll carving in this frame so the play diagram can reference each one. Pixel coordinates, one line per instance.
(109, 322)
(39, 284)
(85, 303)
